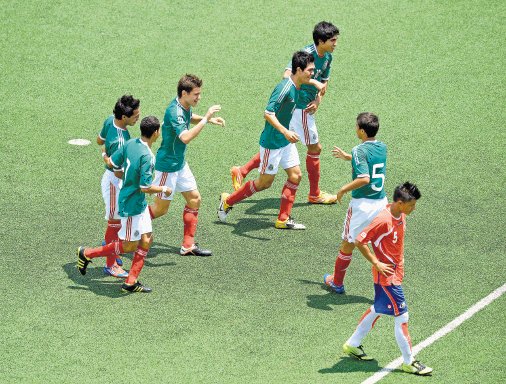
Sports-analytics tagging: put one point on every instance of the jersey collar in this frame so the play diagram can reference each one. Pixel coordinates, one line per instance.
(147, 146)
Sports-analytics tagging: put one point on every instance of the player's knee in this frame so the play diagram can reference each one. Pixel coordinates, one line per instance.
(314, 148)
(129, 246)
(260, 185)
(295, 177)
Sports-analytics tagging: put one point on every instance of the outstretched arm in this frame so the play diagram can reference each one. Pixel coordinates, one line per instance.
(190, 134)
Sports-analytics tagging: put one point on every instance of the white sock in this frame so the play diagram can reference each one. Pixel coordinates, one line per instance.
(364, 327)
(403, 338)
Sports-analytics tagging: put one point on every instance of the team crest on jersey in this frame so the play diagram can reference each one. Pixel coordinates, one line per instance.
(389, 306)
(403, 305)
(270, 167)
(180, 119)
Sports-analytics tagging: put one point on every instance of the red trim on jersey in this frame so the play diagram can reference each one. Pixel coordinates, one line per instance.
(163, 179)
(305, 127)
(128, 229)
(396, 309)
(112, 200)
(265, 160)
(347, 225)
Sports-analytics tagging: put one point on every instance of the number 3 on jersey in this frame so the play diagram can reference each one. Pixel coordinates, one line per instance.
(376, 175)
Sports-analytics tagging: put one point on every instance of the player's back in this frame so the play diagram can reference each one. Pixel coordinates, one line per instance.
(114, 137)
(370, 159)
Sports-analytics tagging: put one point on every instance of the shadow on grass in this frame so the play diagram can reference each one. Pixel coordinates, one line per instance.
(326, 301)
(102, 285)
(260, 205)
(350, 364)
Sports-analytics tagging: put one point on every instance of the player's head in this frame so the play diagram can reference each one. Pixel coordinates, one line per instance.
(405, 196)
(325, 34)
(188, 89)
(303, 66)
(369, 123)
(150, 126)
(127, 109)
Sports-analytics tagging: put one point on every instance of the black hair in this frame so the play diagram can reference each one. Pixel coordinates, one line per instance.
(187, 83)
(369, 122)
(406, 192)
(324, 31)
(149, 125)
(301, 59)
(125, 106)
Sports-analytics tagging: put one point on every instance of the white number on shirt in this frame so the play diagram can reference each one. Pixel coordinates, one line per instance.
(378, 176)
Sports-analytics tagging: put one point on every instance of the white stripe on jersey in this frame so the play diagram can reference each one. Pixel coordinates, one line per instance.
(285, 90)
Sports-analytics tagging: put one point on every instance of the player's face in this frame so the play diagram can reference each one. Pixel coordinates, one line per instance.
(407, 206)
(307, 73)
(330, 44)
(133, 119)
(193, 97)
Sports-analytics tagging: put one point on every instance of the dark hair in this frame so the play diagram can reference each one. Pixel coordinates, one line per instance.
(369, 122)
(125, 106)
(406, 192)
(187, 83)
(324, 31)
(301, 59)
(149, 125)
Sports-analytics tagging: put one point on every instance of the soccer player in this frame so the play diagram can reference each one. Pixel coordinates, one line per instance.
(303, 123)
(277, 146)
(386, 233)
(171, 168)
(368, 164)
(135, 235)
(114, 135)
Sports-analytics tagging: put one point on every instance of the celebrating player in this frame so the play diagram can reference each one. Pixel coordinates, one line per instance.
(303, 122)
(114, 135)
(137, 160)
(386, 233)
(277, 145)
(368, 163)
(171, 168)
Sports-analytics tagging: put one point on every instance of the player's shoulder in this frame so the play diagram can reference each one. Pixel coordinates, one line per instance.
(109, 121)
(310, 48)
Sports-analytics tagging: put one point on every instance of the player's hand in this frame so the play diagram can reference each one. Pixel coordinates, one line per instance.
(338, 153)
(340, 195)
(217, 121)
(312, 107)
(212, 110)
(323, 90)
(291, 136)
(168, 192)
(385, 269)
(119, 174)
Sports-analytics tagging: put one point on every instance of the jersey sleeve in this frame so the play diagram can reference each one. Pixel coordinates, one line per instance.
(146, 171)
(276, 99)
(176, 119)
(372, 231)
(118, 158)
(326, 72)
(359, 162)
(103, 132)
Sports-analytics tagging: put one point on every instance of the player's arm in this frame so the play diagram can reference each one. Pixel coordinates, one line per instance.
(189, 134)
(156, 189)
(271, 118)
(146, 178)
(355, 184)
(384, 269)
(287, 73)
(338, 153)
(312, 107)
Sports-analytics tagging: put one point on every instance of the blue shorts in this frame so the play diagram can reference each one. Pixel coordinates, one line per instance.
(389, 300)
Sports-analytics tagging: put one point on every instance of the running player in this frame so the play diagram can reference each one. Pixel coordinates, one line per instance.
(303, 123)
(114, 135)
(368, 163)
(171, 168)
(386, 233)
(277, 146)
(137, 160)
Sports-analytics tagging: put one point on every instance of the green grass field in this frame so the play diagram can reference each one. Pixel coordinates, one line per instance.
(256, 311)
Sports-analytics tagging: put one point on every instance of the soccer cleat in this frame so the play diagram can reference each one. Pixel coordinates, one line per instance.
(328, 281)
(224, 208)
(119, 260)
(195, 250)
(289, 224)
(136, 287)
(356, 352)
(116, 271)
(322, 198)
(237, 178)
(82, 261)
(417, 368)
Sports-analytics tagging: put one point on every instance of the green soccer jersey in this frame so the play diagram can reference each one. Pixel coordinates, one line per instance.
(321, 73)
(171, 154)
(369, 159)
(137, 160)
(281, 104)
(114, 137)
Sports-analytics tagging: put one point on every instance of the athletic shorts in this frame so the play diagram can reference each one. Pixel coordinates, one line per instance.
(360, 214)
(389, 300)
(304, 125)
(133, 227)
(110, 193)
(271, 159)
(180, 181)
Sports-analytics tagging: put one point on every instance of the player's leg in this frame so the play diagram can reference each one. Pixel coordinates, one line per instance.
(343, 260)
(161, 202)
(190, 220)
(111, 186)
(353, 345)
(239, 173)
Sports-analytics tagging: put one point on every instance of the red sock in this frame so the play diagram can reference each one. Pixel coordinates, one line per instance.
(190, 220)
(137, 264)
(287, 199)
(313, 172)
(250, 165)
(111, 249)
(342, 262)
(151, 214)
(111, 233)
(242, 193)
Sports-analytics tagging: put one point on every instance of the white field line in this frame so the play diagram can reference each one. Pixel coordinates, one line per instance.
(439, 334)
